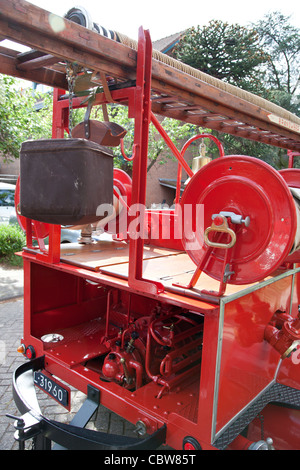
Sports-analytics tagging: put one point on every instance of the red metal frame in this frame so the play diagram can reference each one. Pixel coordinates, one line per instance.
(139, 106)
(236, 363)
(291, 156)
(139, 169)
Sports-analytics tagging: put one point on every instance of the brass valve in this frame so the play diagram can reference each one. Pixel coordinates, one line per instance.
(283, 333)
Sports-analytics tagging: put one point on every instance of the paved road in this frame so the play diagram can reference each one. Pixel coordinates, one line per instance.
(11, 332)
(11, 283)
(11, 327)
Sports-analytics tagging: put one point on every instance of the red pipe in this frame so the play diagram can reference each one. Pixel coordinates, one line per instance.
(171, 145)
(138, 372)
(107, 312)
(129, 159)
(183, 150)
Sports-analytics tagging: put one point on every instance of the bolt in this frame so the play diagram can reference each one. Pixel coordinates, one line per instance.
(218, 220)
(20, 421)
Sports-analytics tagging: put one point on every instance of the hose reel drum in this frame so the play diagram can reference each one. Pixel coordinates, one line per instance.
(81, 16)
(250, 219)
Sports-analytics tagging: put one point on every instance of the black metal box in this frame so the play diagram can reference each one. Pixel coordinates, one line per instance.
(63, 181)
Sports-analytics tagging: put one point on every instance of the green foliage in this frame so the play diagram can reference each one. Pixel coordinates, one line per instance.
(228, 52)
(263, 59)
(234, 145)
(19, 118)
(281, 42)
(12, 240)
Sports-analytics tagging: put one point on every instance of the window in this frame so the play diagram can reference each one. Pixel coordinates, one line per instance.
(7, 197)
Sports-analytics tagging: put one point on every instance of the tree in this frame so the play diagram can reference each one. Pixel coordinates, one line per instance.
(157, 148)
(281, 42)
(263, 59)
(229, 52)
(19, 119)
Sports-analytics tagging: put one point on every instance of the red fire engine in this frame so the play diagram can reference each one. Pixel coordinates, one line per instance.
(185, 322)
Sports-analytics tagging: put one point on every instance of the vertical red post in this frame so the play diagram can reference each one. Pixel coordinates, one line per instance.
(60, 115)
(139, 169)
(291, 156)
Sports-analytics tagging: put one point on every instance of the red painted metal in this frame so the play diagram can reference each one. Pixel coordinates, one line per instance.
(170, 144)
(283, 332)
(129, 159)
(250, 188)
(280, 422)
(291, 156)
(203, 136)
(122, 191)
(291, 176)
(139, 169)
(190, 359)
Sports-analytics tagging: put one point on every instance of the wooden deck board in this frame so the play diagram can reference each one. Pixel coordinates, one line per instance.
(160, 264)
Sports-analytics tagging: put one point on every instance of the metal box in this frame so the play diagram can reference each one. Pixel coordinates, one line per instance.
(63, 181)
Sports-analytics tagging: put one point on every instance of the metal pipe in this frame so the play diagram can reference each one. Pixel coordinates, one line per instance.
(171, 145)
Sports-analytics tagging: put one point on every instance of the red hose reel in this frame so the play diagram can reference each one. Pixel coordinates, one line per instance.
(249, 219)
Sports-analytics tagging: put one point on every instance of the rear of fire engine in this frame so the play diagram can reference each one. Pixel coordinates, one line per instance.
(183, 321)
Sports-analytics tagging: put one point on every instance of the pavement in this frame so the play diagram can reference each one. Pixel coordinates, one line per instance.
(11, 328)
(11, 283)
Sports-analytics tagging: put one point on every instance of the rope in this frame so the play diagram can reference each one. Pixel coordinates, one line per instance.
(233, 90)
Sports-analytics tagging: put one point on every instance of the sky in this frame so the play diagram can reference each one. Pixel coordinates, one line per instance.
(165, 17)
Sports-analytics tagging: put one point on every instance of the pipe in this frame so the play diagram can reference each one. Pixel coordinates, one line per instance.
(107, 312)
(171, 145)
(138, 372)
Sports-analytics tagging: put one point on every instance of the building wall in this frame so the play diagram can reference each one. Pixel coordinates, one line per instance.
(156, 193)
(9, 168)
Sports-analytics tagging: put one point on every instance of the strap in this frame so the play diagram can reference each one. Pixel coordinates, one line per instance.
(87, 118)
(105, 112)
(107, 95)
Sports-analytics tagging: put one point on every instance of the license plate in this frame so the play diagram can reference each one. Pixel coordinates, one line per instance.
(53, 387)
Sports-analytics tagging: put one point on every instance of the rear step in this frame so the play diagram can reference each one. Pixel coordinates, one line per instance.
(33, 425)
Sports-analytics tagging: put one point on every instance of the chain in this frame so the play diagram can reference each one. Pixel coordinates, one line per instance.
(261, 419)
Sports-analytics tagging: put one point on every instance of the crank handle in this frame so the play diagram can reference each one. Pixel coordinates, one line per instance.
(220, 225)
(235, 218)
